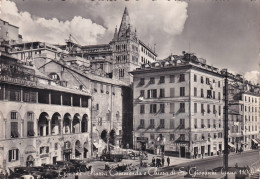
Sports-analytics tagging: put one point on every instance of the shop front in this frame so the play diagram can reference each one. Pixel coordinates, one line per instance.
(142, 142)
(67, 151)
(29, 154)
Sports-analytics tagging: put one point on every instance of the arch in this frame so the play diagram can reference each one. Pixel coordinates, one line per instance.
(55, 124)
(43, 124)
(157, 64)
(67, 123)
(30, 161)
(112, 137)
(84, 123)
(76, 123)
(78, 149)
(104, 135)
(85, 150)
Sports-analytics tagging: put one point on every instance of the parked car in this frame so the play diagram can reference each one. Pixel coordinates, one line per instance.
(70, 168)
(46, 173)
(62, 171)
(81, 165)
(18, 172)
(27, 177)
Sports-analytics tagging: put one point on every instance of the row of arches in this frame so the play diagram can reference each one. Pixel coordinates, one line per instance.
(45, 124)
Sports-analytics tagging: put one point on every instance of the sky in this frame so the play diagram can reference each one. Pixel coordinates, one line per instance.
(224, 32)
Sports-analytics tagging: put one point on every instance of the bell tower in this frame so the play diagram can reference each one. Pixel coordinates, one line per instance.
(125, 50)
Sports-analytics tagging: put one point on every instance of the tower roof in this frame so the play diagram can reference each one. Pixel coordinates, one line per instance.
(124, 23)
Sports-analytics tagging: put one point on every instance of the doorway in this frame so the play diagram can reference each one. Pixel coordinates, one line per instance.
(182, 149)
(54, 159)
(209, 151)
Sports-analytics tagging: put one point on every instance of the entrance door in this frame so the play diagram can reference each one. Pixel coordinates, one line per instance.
(182, 149)
(54, 159)
(143, 146)
(202, 150)
(209, 152)
(220, 148)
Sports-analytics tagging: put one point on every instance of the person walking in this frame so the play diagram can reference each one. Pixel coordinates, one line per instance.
(153, 162)
(163, 161)
(168, 161)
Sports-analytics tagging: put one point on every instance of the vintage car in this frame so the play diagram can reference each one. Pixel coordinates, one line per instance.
(81, 165)
(70, 168)
(18, 172)
(62, 171)
(46, 173)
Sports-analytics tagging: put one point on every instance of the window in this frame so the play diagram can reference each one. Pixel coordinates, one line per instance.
(142, 109)
(182, 78)
(214, 95)
(172, 92)
(30, 128)
(101, 88)
(219, 110)
(195, 107)
(121, 72)
(14, 130)
(172, 137)
(208, 108)
(172, 78)
(209, 94)
(100, 121)
(172, 110)
(195, 137)
(142, 123)
(153, 108)
(162, 108)
(182, 137)
(202, 94)
(195, 78)
(195, 91)
(152, 80)
(162, 94)
(219, 84)
(162, 124)
(13, 155)
(207, 81)
(141, 81)
(152, 93)
(202, 108)
(141, 93)
(214, 109)
(195, 123)
(162, 79)
(201, 80)
(182, 124)
(202, 123)
(56, 146)
(182, 107)
(182, 91)
(151, 123)
(208, 123)
(14, 115)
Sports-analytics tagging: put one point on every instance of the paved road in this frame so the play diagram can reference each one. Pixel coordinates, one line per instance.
(244, 159)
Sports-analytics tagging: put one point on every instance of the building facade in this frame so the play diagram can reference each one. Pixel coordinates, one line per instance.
(178, 108)
(9, 33)
(41, 121)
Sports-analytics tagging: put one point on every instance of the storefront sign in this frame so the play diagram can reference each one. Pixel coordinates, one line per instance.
(44, 155)
(142, 139)
(30, 152)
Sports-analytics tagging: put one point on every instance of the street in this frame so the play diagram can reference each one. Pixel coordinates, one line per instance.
(176, 168)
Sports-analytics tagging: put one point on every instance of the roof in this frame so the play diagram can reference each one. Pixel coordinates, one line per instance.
(91, 76)
(146, 46)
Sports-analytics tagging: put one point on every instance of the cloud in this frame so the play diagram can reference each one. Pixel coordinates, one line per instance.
(253, 76)
(51, 30)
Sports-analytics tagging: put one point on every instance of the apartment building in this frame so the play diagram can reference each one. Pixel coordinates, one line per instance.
(178, 107)
(9, 33)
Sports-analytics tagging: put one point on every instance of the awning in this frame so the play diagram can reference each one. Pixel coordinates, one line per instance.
(231, 145)
(254, 141)
(258, 140)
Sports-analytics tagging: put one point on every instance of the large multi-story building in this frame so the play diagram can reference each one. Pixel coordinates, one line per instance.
(41, 121)
(244, 113)
(178, 107)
